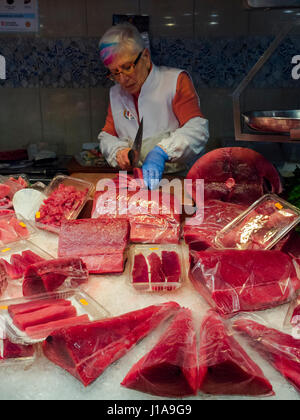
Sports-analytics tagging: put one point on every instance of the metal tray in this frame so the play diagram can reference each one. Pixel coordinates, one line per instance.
(273, 121)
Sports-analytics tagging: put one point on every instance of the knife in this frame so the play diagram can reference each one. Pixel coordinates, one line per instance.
(135, 151)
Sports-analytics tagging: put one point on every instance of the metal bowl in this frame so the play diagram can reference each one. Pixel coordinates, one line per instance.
(273, 121)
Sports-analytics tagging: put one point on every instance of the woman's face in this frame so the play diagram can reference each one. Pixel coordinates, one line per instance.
(131, 77)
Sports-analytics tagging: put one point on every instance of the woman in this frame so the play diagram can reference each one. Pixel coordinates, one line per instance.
(174, 130)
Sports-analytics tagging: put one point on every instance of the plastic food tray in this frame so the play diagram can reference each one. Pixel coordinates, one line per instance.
(18, 247)
(22, 359)
(146, 251)
(261, 226)
(74, 211)
(83, 303)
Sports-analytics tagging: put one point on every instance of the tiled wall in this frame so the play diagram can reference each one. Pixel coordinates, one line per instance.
(55, 90)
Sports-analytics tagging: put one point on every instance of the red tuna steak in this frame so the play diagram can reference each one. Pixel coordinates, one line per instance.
(280, 349)
(31, 257)
(224, 367)
(85, 351)
(235, 174)
(15, 351)
(249, 280)
(171, 265)
(43, 316)
(99, 242)
(3, 279)
(23, 308)
(43, 330)
(49, 275)
(4, 190)
(200, 230)
(157, 274)
(170, 368)
(140, 269)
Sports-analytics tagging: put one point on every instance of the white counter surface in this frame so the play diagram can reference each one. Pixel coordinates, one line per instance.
(45, 381)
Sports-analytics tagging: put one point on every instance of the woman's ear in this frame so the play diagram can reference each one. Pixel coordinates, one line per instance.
(147, 57)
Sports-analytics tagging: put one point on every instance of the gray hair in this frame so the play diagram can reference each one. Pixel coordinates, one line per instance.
(119, 38)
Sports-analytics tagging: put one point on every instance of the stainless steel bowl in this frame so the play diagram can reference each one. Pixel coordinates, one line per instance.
(273, 121)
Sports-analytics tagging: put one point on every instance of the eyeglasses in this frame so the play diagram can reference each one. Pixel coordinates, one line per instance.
(126, 69)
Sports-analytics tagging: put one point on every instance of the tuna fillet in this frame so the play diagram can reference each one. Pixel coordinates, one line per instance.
(280, 349)
(85, 351)
(233, 280)
(49, 275)
(170, 368)
(101, 243)
(224, 367)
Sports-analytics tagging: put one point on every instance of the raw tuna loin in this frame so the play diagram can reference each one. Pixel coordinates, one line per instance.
(85, 351)
(280, 349)
(49, 275)
(170, 368)
(233, 280)
(224, 367)
(100, 243)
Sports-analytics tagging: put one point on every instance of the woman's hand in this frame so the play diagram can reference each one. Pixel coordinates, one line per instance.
(122, 158)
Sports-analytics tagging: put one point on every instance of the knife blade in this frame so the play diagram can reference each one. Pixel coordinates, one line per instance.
(135, 151)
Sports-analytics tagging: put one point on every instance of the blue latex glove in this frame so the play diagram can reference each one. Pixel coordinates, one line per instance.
(153, 167)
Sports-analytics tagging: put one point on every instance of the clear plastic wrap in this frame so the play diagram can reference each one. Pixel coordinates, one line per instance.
(14, 260)
(101, 243)
(170, 368)
(224, 366)
(292, 318)
(233, 281)
(14, 354)
(66, 197)
(9, 185)
(85, 351)
(55, 274)
(261, 226)
(154, 216)
(156, 268)
(31, 320)
(280, 349)
(200, 230)
(14, 228)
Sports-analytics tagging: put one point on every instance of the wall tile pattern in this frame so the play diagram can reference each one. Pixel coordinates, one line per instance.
(57, 77)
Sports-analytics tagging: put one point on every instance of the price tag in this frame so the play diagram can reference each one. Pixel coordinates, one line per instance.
(37, 215)
(83, 302)
(22, 224)
(279, 206)
(5, 249)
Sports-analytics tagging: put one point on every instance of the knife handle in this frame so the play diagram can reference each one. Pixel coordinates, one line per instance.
(131, 156)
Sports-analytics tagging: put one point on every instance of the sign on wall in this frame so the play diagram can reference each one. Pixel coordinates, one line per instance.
(19, 16)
